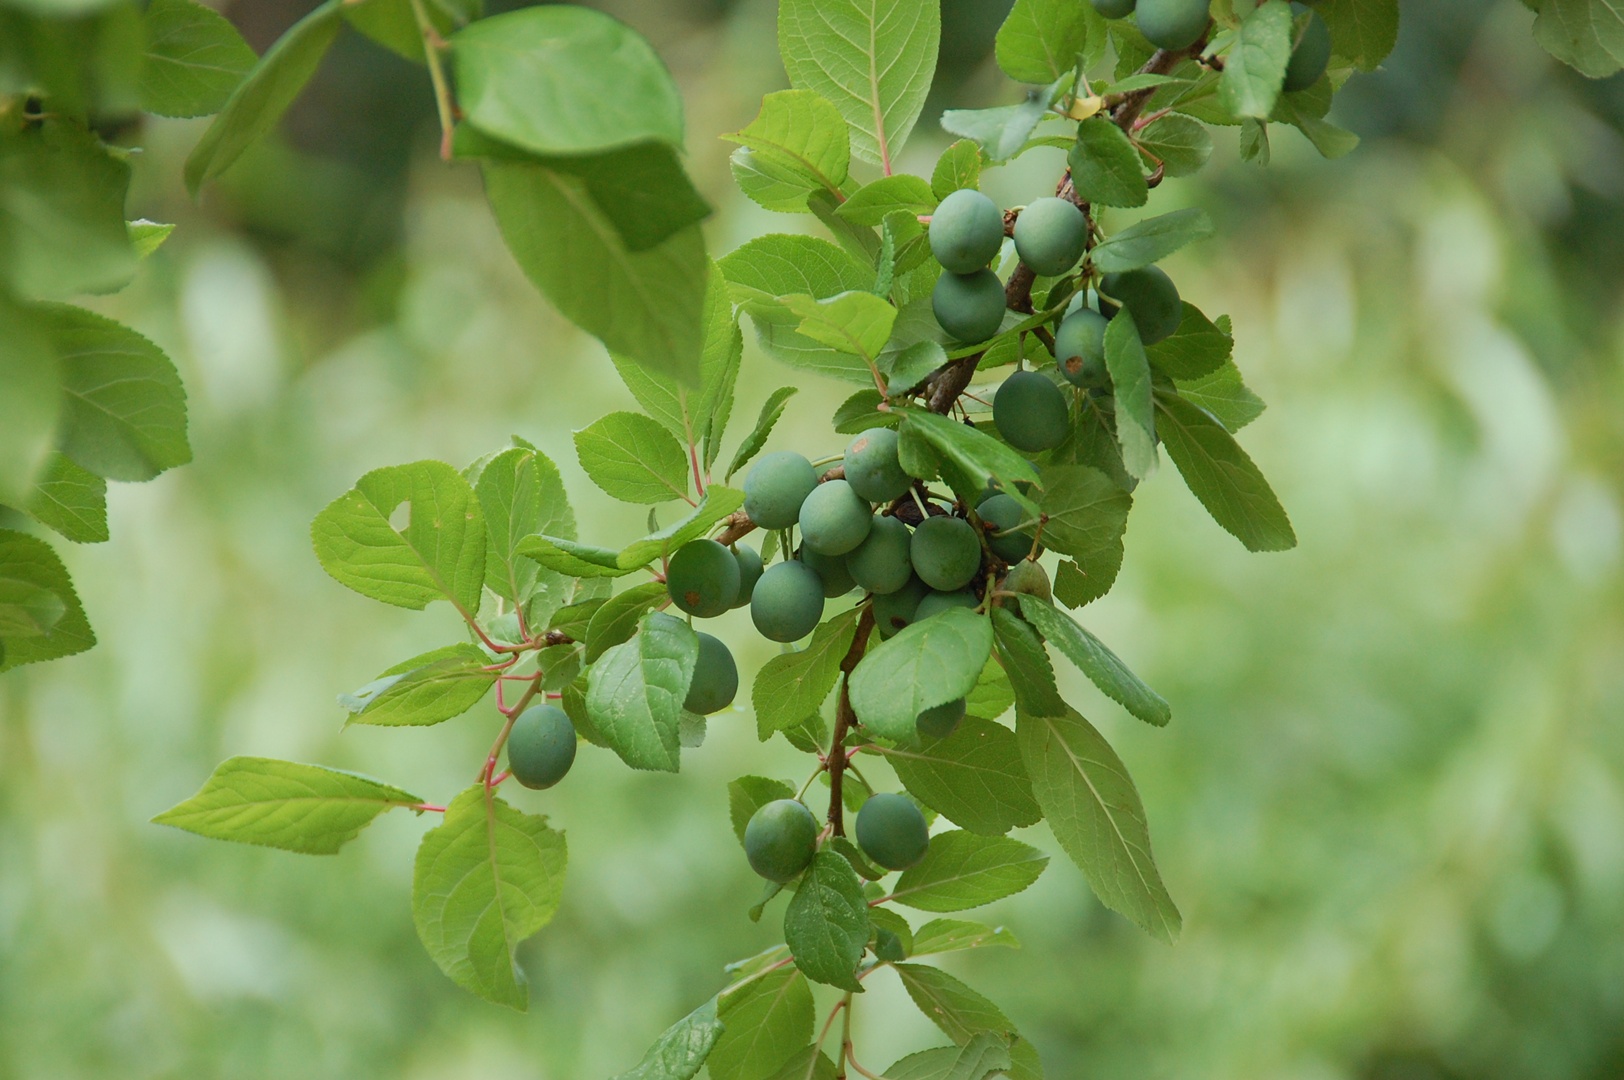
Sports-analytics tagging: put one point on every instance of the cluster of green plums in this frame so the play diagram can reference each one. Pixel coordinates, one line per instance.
(1178, 24)
(782, 836)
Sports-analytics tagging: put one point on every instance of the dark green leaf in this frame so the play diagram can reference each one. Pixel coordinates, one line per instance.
(826, 924)
(1087, 516)
(954, 935)
(1180, 144)
(963, 870)
(424, 690)
(958, 167)
(1196, 349)
(1151, 240)
(1130, 384)
(1363, 32)
(973, 777)
(1256, 64)
(1224, 395)
(616, 620)
(37, 604)
(978, 454)
(927, 664)
(903, 192)
(680, 1052)
(1099, 663)
(792, 686)
(748, 794)
(1024, 658)
(1105, 166)
(1223, 477)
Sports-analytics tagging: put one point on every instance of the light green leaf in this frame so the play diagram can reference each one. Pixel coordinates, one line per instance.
(1331, 141)
(70, 500)
(1099, 663)
(680, 1052)
(769, 267)
(1130, 383)
(123, 408)
(926, 664)
(1002, 132)
(38, 602)
(1224, 395)
(1105, 167)
(963, 870)
(485, 880)
(717, 504)
(195, 59)
(616, 619)
(748, 794)
(955, 935)
(439, 553)
(763, 1024)
(959, 167)
(508, 487)
(30, 400)
(902, 192)
(992, 696)
(973, 777)
(1587, 35)
(560, 79)
(1041, 39)
(985, 1055)
(572, 559)
(858, 323)
(826, 924)
(796, 145)
(631, 457)
(283, 804)
(1223, 477)
(1031, 675)
(261, 98)
(636, 691)
(959, 1011)
(1256, 64)
(1363, 32)
(753, 442)
(1180, 144)
(1196, 349)
(424, 690)
(1151, 241)
(147, 236)
(792, 686)
(874, 61)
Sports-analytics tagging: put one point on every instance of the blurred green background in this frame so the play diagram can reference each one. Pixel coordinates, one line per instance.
(1391, 802)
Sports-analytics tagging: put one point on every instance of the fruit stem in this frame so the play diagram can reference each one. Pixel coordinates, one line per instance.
(432, 44)
(845, 720)
(845, 1037)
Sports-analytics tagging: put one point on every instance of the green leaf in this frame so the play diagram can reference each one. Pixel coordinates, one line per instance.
(70, 500)
(717, 504)
(926, 664)
(903, 192)
(973, 777)
(959, 1011)
(1002, 132)
(680, 1052)
(123, 408)
(774, 266)
(616, 620)
(1105, 166)
(1363, 32)
(1196, 349)
(792, 686)
(809, 1064)
(195, 59)
(1180, 144)
(1221, 475)
(796, 145)
(1224, 395)
(1151, 240)
(636, 692)
(1130, 383)
(647, 305)
(1041, 39)
(1256, 64)
(147, 236)
(1031, 675)
(572, 559)
(1088, 514)
(985, 1055)
(485, 880)
(631, 457)
(978, 454)
(40, 615)
(963, 870)
(861, 412)
(30, 400)
(858, 323)
(1094, 810)
(1587, 35)
(955, 935)
(520, 494)
(424, 690)
(1331, 141)
(959, 167)
(283, 804)
(753, 442)
(992, 696)
(913, 365)
(561, 79)
(763, 1023)
(261, 98)
(826, 924)
(440, 552)
(62, 225)
(748, 794)
(1099, 663)
(873, 62)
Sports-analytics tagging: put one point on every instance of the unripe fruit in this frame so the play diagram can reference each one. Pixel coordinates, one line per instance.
(1079, 349)
(1114, 9)
(788, 602)
(946, 553)
(891, 831)
(749, 560)
(541, 746)
(999, 514)
(966, 231)
(775, 487)
(872, 468)
(1311, 55)
(780, 839)
(1029, 579)
(1151, 298)
(894, 611)
(1173, 24)
(941, 721)
(834, 518)
(703, 578)
(716, 678)
(936, 602)
(970, 307)
(1050, 236)
(881, 563)
(832, 570)
(1031, 413)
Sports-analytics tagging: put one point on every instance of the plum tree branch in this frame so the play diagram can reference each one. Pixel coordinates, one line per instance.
(845, 720)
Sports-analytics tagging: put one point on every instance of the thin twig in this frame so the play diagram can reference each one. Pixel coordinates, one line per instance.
(845, 720)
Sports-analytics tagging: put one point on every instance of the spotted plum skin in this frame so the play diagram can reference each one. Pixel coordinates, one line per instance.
(703, 578)
(872, 467)
(1079, 349)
